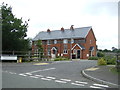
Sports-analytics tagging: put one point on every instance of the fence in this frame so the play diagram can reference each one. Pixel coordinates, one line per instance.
(28, 55)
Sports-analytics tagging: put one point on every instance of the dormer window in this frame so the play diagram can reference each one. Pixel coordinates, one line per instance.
(65, 41)
(55, 41)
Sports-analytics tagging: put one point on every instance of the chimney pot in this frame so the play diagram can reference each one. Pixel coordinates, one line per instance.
(62, 29)
(71, 28)
(48, 30)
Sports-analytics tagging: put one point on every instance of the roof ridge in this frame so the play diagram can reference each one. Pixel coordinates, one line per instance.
(69, 29)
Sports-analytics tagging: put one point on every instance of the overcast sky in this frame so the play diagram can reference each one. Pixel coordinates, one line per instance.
(102, 15)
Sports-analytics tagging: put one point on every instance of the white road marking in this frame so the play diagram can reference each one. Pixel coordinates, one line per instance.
(46, 79)
(81, 82)
(12, 73)
(65, 80)
(42, 70)
(60, 81)
(38, 76)
(94, 87)
(34, 77)
(28, 73)
(22, 75)
(51, 77)
(77, 84)
(101, 85)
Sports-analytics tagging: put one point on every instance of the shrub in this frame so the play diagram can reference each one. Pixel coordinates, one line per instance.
(100, 54)
(102, 61)
(60, 59)
(93, 58)
(110, 60)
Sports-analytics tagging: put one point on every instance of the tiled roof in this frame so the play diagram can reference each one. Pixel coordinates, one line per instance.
(66, 34)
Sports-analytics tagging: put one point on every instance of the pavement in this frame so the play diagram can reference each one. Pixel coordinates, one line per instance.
(103, 75)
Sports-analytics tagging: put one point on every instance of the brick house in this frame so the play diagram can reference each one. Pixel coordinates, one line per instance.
(76, 43)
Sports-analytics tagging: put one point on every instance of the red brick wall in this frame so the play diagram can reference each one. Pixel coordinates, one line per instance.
(84, 53)
(89, 37)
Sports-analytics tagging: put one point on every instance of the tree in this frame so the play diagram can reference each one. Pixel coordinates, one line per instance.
(13, 31)
(100, 54)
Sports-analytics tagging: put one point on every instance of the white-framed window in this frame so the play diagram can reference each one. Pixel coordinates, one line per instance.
(90, 41)
(65, 51)
(48, 50)
(48, 42)
(65, 41)
(55, 41)
(72, 40)
(74, 51)
(49, 53)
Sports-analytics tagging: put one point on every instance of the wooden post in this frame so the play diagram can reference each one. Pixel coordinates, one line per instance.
(29, 55)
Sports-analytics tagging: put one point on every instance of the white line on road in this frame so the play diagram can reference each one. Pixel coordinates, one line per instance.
(22, 75)
(28, 73)
(101, 85)
(50, 77)
(60, 81)
(77, 84)
(46, 79)
(94, 87)
(38, 76)
(65, 80)
(12, 73)
(81, 82)
(42, 70)
(34, 77)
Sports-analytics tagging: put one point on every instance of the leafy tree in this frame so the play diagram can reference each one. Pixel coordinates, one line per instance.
(106, 50)
(13, 31)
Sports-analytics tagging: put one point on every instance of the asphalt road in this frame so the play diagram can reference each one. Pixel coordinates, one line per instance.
(65, 74)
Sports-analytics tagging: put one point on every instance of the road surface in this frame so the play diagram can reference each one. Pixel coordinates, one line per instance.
(64, 74)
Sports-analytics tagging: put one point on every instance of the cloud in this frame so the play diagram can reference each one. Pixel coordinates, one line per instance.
(54, 14)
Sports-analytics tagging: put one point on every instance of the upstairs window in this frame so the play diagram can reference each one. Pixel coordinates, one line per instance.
(55, 41)
(48, 42)
(72, 40)
(90, 41)
(65, 41)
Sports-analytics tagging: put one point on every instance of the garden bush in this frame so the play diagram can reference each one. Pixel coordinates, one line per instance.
(102, 61)
(100, 54)
(93, 58)
(60, 59)
(110, 60)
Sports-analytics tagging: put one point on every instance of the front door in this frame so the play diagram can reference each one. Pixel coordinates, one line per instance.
(78, 54)
(54, 54)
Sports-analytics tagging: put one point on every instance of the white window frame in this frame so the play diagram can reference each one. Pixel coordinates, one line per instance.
(65, 51)
(72, 40)
(65, 41)
(55, 41)
(49, 53)
(48, 42)
(74, 51)
(90, 41)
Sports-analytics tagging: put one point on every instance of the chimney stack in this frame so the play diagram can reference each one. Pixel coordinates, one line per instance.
(71, 28)
(48, 30)
(62, 29)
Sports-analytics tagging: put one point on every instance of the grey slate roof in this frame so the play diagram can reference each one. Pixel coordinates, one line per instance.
(66, 34)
